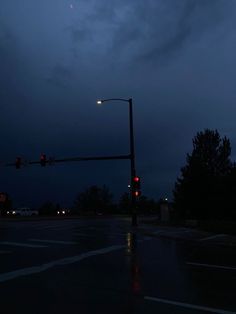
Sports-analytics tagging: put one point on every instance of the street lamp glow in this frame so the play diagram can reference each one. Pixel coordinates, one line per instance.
(99, 102)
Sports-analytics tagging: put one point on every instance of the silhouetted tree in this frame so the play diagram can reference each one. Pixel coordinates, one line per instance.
(230, 194)
(48, 208)
(94, 199)
(144, 204)
(202, 189)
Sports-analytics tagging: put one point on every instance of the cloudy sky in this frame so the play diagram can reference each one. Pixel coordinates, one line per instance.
(176, 59)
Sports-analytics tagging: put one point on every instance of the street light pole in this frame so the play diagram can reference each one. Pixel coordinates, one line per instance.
(132, 154)
(132, 163)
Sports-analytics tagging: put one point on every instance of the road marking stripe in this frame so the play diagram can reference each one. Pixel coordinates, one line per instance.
(64, 261)
(111, 235)
(191, 306)
(158, 232)
(5, 252)
(22, 244)
(181, 231)
(212, 266)
(53, 241)
(212, 237)
(84, 234)
(52, 227)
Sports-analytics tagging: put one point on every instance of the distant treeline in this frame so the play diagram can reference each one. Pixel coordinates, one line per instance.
(100, 200)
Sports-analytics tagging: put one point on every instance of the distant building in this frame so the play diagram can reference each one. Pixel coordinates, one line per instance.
(5, 202)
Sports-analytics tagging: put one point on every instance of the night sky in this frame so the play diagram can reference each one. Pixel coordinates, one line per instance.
(176, 59)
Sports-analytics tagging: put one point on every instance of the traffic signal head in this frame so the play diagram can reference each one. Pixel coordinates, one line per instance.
(18, 163)
(43, 160)
(136, 186)
(136, 183)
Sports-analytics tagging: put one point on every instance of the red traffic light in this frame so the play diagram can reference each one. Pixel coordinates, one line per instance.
(136, 183)
(43, 160)
(136, 193)
(136, 186)
(18, 163)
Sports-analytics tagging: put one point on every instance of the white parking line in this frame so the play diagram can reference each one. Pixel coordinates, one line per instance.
(53, 241)
(213, 237)
(64, 261)
(21, 244)
(212, 266)
(190, 306)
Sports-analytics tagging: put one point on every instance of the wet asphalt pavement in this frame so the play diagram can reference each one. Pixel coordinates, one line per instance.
(104, 265)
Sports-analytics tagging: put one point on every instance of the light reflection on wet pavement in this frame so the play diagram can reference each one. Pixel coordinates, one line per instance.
(111, 267)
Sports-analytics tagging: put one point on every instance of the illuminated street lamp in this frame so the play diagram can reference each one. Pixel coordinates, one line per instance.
(132, 152)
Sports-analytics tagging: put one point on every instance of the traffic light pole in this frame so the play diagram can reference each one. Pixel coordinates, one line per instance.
(52, 161)
(132, 164)
(132, 155)
(43, 161)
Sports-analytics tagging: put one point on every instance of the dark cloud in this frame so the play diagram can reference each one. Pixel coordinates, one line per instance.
(130, 33)
(13, 100)
(158, 29)
(60, 75)
(175, 58)
(145, 31)
(9, 60)
(79, 35)
(79, 32)
(6, 39)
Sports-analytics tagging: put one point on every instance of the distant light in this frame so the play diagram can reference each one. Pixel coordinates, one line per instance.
(129, 242)
(13, 212)
(99, 102)
(129, 185)
(63, 212)
(166, 199)
(58, 212)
